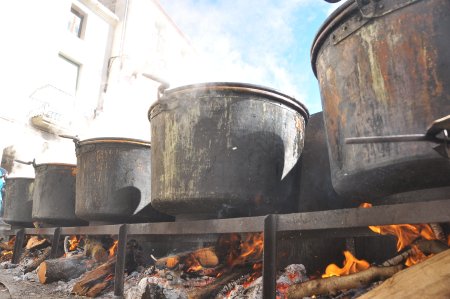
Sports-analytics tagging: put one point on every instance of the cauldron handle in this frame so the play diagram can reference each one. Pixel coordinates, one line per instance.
(164, 84)
(437, 132)
(75, 139)
(27, 163)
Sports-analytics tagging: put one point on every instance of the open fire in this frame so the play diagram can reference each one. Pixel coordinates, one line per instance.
(229, 267)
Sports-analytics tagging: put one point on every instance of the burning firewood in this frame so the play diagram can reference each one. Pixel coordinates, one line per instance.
(429, 279)
(425, 246)
(331, 285)
(7, 246)
(438, 232)
(36, 243)
(95, 281)
(206, 257)
(35, 263)
(62, 269)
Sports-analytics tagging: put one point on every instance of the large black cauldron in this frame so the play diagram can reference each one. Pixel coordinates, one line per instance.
(383, 69)
(221, 149)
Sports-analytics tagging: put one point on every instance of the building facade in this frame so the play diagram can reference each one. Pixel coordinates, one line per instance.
(78, 67)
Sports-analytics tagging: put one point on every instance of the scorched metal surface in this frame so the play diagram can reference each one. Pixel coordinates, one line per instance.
(384, 69)
(221, 149)
(113, 181)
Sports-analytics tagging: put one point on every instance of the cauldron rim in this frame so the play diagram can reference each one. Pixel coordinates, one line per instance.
(328, 26)
(273, 94)
(119, 140)
(56, 164)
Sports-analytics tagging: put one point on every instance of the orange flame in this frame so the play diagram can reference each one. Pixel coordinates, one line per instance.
(192, 264)
(250, 249)
(112, 250)
(351, 265)
(12, 240)
(406, 233)
(73, 242)
(7, 252)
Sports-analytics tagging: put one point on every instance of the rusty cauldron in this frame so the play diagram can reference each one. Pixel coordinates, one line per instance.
(225, 149)
(113, 181)
(54, 194)
(384, 69)
(18, 201)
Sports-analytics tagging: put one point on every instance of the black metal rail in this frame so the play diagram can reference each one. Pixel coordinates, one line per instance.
(343, 223)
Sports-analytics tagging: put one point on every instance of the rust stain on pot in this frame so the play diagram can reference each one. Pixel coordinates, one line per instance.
(390, 76)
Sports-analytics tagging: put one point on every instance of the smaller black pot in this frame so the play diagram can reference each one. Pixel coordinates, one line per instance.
(54, 195)
(18, 201)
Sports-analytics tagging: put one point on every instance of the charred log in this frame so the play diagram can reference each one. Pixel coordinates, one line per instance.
(438, 232)
(33, 265)
(431, 246)
(206, 257)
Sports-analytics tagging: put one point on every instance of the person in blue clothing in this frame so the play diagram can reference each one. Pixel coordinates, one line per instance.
(3, 174)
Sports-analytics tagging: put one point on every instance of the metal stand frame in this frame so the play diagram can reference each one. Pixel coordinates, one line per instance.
(336, 223)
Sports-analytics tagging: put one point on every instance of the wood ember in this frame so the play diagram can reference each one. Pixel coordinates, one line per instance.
(6, 256)
(62, 269)
(331, 285)
(211, 290)
(429, 279)
(292, 274)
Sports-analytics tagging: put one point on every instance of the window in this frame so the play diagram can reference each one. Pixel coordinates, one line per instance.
(67, 75)
(76, 22)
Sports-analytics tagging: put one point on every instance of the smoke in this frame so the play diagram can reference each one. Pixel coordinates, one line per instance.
(262, 42)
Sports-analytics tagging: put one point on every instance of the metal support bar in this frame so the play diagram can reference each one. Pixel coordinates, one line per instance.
(55, 243)
(120, 262)
(18, 244)
(270, 256)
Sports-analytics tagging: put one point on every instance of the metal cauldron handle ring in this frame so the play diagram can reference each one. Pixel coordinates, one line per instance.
(26, 163)
(75, 138)
(163, 83)
(438, 132)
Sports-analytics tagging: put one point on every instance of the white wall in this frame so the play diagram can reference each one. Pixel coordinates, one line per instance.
(148, 43)
(34, 33)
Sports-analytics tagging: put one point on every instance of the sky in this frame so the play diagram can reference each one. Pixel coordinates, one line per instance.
(263, 42)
